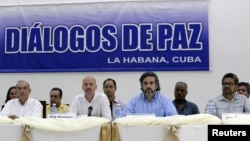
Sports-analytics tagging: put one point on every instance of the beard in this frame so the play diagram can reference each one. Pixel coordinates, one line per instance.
(149, 92)
(227, 91)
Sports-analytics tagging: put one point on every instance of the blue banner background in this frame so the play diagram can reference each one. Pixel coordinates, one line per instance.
(93, 57)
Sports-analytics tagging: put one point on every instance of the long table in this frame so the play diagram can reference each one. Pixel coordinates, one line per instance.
(176, 128)
(11, 132)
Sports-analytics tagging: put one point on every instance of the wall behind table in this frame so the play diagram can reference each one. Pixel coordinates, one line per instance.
(229, 52)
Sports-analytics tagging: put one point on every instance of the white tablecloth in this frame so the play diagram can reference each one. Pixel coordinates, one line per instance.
(188, 128)
(158, 132)
(10, 132)
(91, 134)
(80, 129)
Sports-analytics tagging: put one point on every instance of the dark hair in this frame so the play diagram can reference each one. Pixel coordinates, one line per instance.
(231, 75)
(152, 74)
(109, 79)
(57, 89)
(245, 84)
(181, 82)
(8, 93)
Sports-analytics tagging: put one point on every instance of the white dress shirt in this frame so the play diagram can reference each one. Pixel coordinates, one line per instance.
(100, 106)
(31, 108)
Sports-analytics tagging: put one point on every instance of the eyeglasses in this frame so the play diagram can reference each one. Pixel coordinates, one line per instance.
(228, 84)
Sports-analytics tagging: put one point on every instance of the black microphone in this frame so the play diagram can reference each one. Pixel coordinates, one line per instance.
(90, 110)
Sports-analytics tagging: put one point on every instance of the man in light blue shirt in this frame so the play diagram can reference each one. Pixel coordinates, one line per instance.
(150, 100)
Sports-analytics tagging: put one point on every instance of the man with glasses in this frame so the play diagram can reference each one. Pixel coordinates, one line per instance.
(56, 97)
(24, 105)
(229, 101)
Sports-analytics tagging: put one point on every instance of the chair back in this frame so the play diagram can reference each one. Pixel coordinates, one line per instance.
(43, 102)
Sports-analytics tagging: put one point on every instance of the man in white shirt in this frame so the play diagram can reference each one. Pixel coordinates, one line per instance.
(90, 102)
(23, 106)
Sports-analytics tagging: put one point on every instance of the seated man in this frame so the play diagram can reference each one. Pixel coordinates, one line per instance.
(109, 88)
(229, 101)
(23, 106)
(150, 100)
(90, 102)
(56, 97)
(244, 88)
(183, 106)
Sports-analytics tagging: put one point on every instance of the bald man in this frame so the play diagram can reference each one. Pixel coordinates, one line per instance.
(90, 102)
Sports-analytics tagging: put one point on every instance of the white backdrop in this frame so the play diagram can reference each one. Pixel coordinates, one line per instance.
(229, 36)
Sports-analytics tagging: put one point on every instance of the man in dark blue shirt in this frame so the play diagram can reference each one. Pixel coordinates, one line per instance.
(183, 106)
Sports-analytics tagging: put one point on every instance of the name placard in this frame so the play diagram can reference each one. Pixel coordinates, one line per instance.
(234, 115)
(65, 116)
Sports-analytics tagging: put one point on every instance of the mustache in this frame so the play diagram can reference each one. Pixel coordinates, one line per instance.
(226, 89)
(178, 95)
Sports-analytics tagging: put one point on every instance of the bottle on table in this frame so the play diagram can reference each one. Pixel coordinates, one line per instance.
(53, 108)
(212, 108)
(118, 111)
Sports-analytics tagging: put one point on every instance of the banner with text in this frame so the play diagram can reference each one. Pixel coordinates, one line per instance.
(105, 36)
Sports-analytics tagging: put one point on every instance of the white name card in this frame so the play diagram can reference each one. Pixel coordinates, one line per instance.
(65, 116)
(234, 115)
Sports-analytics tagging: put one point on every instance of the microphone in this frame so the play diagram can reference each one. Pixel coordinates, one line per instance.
(90, 110)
